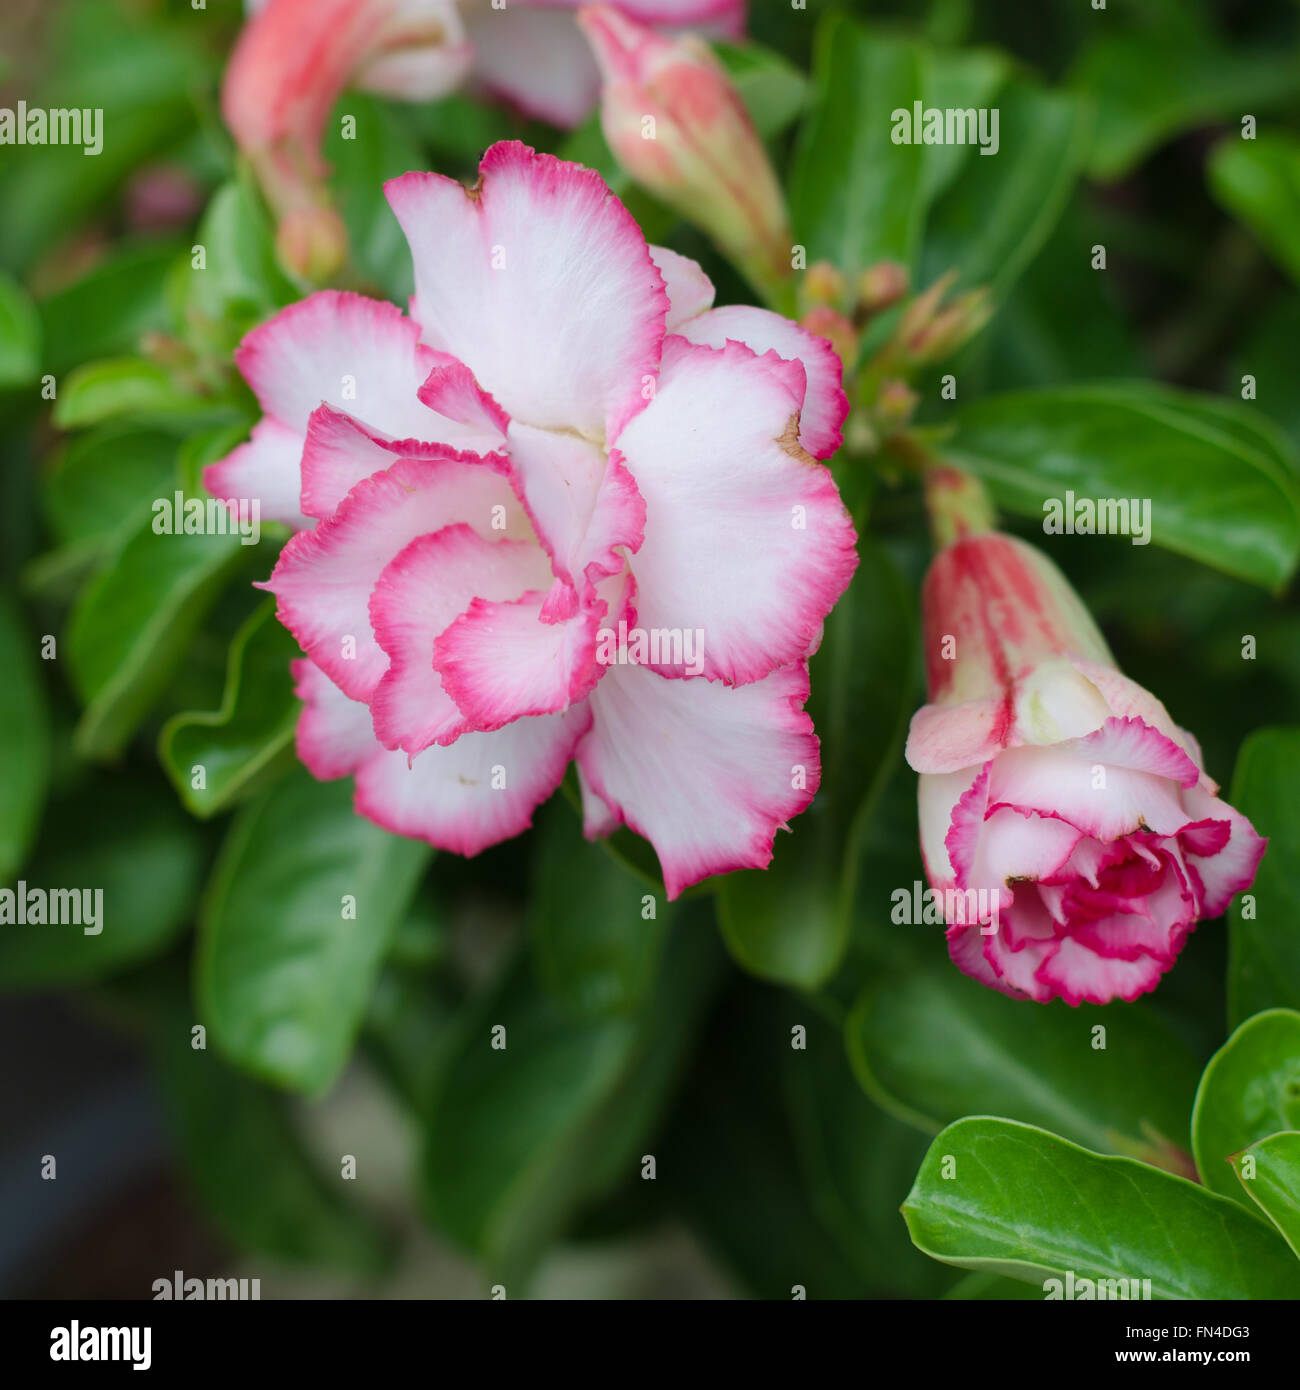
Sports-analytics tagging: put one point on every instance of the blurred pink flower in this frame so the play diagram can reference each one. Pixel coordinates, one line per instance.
(1058, 790)
(563, 443)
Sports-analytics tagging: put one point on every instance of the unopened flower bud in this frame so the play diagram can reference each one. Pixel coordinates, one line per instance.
(677, 125)
(312, 243)
(882, 285)
(828, 323)
(822, 284)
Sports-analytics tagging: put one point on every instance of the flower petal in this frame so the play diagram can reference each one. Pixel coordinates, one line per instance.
(536, 59)
(690, 291)
(824, 407)
(334, 735)
(746, 537)
(323, 578)
(268, 468)
(1232, 869)
(419, 595)
(706, 773)
(357, 354)
(540, 282)
(479, 791)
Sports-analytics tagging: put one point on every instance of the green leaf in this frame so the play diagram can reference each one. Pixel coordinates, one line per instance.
(118, 838)
(1264, 946)
(858, 1163)
(773, 89)
(1259, 182)
(242, 1153)
(244, 739)
(855, 196)
(1222, 489)
(1006, 1198)
(381, 148)
(106, 311)
(729, 1152)
(1150, 86)
(24, 740)
(240, 276)
(104, 481)
(20, 335)
(1002, 208)
(1275, 1181)
(304, 901)
(932, 1045)
(127, 386)
(1250, 1089)
(554, 1114)
(132, 624)
(790, 922)
(596, 954)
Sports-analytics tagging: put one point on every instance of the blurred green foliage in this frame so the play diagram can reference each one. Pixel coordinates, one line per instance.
(779, 1047)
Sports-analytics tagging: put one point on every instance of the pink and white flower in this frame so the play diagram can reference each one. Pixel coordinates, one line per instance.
(562, 436)
(1060, 788)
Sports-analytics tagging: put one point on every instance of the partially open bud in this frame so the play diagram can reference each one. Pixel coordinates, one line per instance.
(290, 64)
(678, 127)
(1066, 821)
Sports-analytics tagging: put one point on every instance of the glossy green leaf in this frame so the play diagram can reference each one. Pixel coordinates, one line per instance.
(105, 480)
(106, 311)
(1250, 1089)
(773, 89)
(1003, 206)
(124, 841)
(380, 148)
(1006, 1198)
(932, 1045)
(1222, 491)
(790, 922)
(1150, 86)
(596, 952)
(1259, 181)
(20, 335)
(962, 79)
(729, 1152)
(1264, 922)
(1270, 1172)
(127, 386)
(131, 625)
(240, 276)
(24, 739)
(855, 196)
(858, 1163)
(230, 748)
(303, 904)
(539, 1113)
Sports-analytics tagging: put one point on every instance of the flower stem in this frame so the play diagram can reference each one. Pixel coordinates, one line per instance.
(957, 503)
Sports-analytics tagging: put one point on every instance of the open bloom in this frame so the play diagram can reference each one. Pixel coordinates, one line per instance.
(563, 441)
(1058, 790)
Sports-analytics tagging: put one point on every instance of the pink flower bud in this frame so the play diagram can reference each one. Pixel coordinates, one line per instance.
(678, 127)
(1065, 818)
(289, 66)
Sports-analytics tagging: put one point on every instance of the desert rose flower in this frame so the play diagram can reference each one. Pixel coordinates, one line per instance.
(564, 445)
(295, 57)
(1057, 789)
(678, 126)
